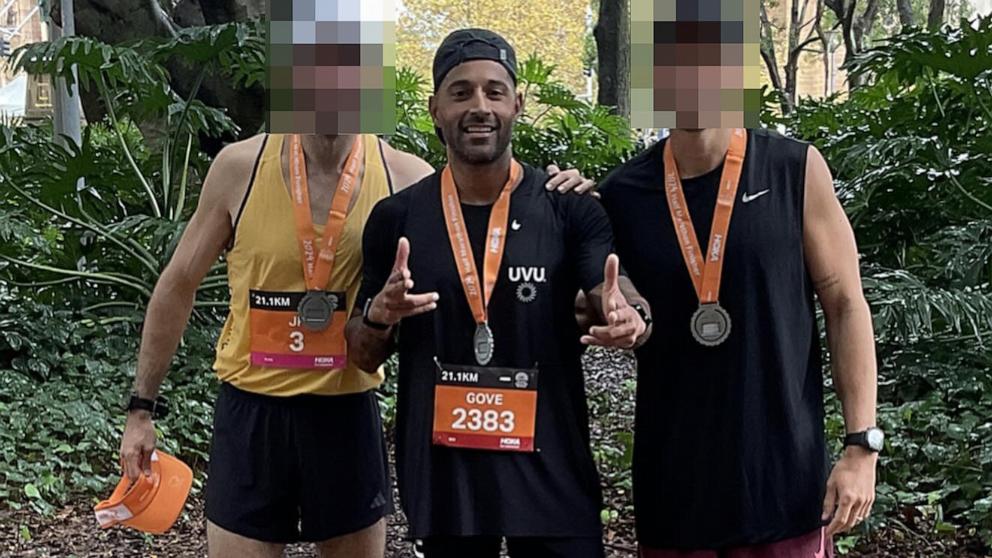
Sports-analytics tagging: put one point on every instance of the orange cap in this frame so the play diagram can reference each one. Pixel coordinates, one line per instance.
(150, 504)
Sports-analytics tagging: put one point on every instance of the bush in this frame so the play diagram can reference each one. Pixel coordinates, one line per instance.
(62, 386)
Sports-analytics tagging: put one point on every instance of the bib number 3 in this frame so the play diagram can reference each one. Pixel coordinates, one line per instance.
(296, 341)
(280, 340)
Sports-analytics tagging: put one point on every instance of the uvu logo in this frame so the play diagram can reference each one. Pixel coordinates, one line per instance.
(530, 274)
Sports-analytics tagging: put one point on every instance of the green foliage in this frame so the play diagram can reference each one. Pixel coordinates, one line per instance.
(95, 224)
(62, 384)
(88, 229)
(910, 157)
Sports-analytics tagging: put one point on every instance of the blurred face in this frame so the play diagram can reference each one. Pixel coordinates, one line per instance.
(331, 67)
(476, 107)
(695, 64)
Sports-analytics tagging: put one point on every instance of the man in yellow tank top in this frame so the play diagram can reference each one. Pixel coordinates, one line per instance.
(297, 451)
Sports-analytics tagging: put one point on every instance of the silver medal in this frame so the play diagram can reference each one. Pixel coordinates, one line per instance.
(316, 310)
(483, 344)
(710, 324)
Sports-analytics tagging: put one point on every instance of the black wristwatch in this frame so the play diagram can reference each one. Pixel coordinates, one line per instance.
(158, 407)
(643, 313)
(370, 323)
(872, 439)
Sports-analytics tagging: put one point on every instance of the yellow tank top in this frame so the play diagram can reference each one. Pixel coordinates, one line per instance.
(261, 349)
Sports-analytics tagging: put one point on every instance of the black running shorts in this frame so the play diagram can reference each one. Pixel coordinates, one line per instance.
(301, 468)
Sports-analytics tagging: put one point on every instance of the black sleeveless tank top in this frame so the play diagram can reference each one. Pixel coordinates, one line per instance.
(729, 441)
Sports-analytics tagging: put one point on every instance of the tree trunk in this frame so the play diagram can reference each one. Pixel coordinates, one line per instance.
(826, 43)
(864, 24)
(906, 17)
(767, 49)
(794, 48)
(935, 18)
(612, 34)
(797, 16)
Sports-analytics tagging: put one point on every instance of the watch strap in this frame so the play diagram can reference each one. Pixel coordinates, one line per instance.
(856, 439)
(158, 407)
(643, 313)
(859, 439)
(365, 318)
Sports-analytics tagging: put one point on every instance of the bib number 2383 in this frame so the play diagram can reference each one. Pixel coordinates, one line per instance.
(485, 408)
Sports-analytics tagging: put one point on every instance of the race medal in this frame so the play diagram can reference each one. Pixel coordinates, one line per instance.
(483, 343)
(478, 299)
(710, 324)
(485, 408)
(316, 310)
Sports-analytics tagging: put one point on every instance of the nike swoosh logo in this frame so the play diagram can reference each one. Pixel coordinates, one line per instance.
(747, 198)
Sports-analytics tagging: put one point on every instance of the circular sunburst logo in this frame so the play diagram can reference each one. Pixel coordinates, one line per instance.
(526, 292)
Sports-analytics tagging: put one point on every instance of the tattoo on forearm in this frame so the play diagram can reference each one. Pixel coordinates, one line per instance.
(826, 282)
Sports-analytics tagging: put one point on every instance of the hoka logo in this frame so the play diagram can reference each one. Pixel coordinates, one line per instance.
(509, 442)
(716, 248)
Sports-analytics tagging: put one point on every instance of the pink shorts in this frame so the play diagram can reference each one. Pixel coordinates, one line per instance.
(810, 545)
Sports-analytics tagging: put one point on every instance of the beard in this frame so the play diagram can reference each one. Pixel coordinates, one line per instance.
(472, 151)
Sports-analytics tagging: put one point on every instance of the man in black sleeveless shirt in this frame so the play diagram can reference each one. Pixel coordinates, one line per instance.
(492, 426)
(730, 458)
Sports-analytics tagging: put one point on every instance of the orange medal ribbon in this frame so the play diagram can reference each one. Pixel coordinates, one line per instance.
(316, 308)
(478, 298)
(711, 323)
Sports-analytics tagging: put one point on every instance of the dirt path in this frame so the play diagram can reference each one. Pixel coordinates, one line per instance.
(73, 533)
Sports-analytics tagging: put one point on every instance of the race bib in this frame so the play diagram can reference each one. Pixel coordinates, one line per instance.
(279, 340)
(485, 408)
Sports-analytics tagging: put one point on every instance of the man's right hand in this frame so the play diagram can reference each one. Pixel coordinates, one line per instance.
(394, 302)
(138, 444)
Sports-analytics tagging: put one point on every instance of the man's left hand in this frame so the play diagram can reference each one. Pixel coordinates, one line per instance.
(624, 325)
(850, 490)
(569, 181)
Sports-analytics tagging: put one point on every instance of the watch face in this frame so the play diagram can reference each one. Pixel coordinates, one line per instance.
(875, 439)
